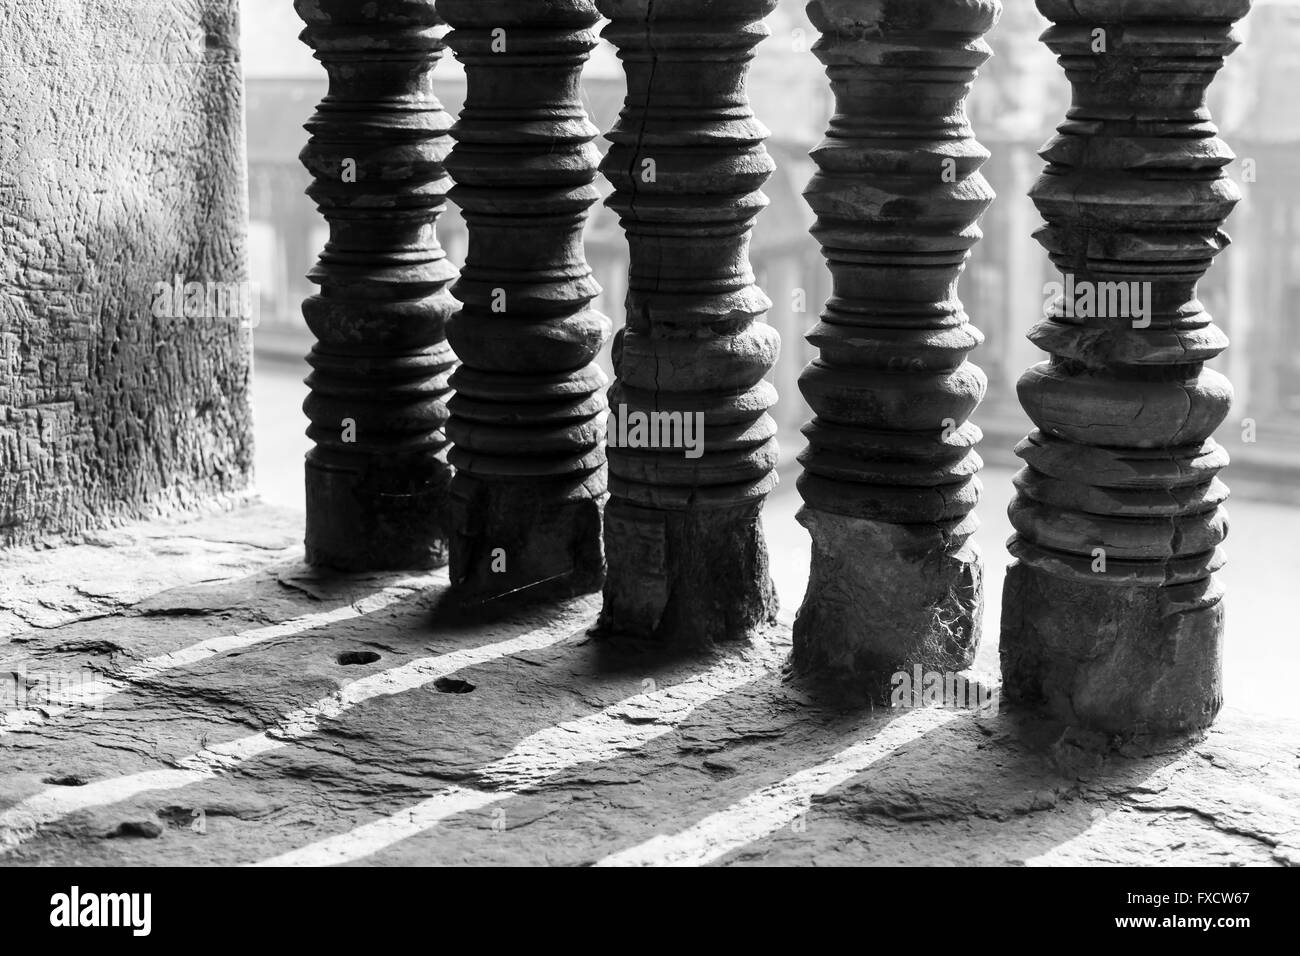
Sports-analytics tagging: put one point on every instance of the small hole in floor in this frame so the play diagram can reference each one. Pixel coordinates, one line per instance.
(348, 658)
(145, 829)
(66, 780)
(453, 685)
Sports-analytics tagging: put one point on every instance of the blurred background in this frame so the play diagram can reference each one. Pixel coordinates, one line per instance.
(1020, 97)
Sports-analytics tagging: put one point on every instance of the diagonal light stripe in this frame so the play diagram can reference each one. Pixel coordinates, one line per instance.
(93, 692)
(766, 811)
(22, 821)
(626, 726)
(387, 831)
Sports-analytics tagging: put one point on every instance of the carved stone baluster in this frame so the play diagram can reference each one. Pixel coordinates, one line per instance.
(1112, 617)
(377, 478)
(528, 418)
(685, 549)
(889, 481)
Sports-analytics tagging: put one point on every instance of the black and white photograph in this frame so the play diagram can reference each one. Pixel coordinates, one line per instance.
(692, 434)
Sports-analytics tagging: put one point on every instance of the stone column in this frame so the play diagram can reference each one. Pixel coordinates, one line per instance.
(528, 417)
(1113, 619)
(377, 478)
(889, 482)
(685, 549)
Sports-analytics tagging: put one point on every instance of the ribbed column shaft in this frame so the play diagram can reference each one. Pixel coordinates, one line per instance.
(889, 480)
(377, 477)
(528, 417)
(692, 448)
(1113, 617)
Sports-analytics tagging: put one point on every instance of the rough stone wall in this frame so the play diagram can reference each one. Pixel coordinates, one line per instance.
(121, 166)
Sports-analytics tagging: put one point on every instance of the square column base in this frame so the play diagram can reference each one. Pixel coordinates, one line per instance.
(379, 515)
(697, 578)
(539, 536)
(882, 599)
(1125, 661)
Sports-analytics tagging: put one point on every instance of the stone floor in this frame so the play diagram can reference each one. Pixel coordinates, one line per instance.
(235, 707)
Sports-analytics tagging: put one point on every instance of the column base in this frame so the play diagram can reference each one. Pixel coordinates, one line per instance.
(539, 535)
(384, 515)
(695, 578)
(883, 599)
(1134, 662)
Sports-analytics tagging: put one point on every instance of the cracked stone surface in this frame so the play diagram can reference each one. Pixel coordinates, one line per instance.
(146, 567)
(234, 732)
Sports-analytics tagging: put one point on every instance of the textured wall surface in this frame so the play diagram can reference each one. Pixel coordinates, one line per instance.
(121, 166)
